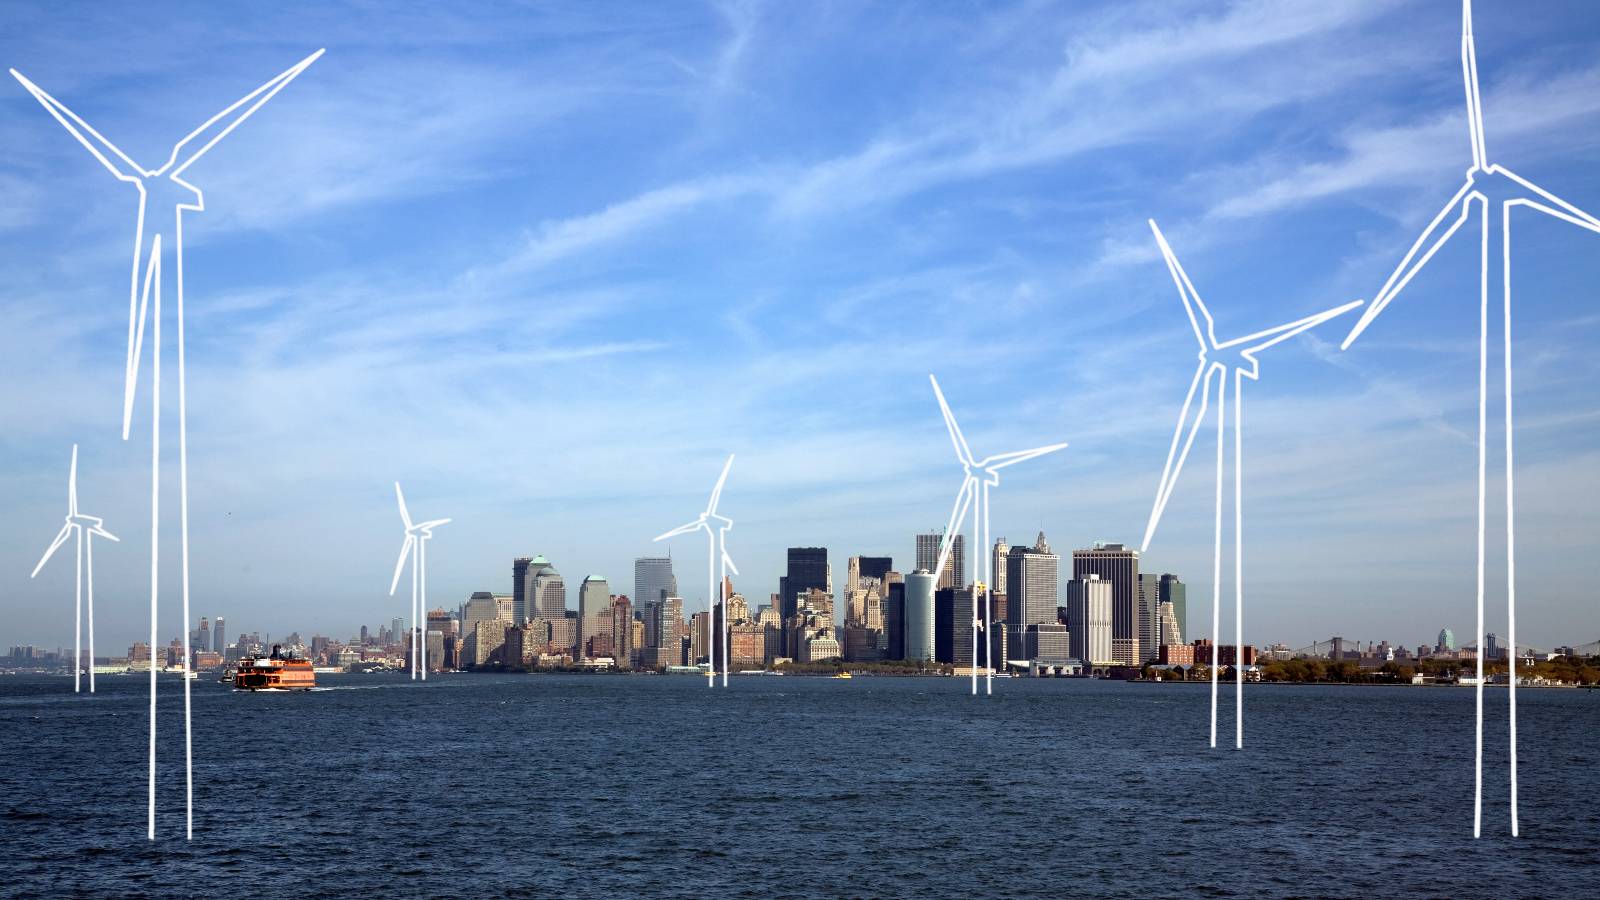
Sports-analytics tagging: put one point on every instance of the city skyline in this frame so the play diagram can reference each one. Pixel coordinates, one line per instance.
(566, 320)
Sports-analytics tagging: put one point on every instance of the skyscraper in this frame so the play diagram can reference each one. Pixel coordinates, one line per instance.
(519, 589)
(669, 623)
(894, 620)
(1172, 591)
(1032, 578)
(919, 616)
(1149, 616)
(547, 590)
(807, 569)
(955, 569)
(1089, 620)
(653, 580)
(865, 567)
(218, 638)
(997, 565)
(203, 641)
(1120, 566)
(594, 611)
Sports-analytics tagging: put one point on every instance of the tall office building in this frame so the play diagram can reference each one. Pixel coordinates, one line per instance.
(807, 569)
(653, 580)
(945, 614)
(866, 567)
(1089, 620)
(955, 569)
(1172, 591)
(519, 589)
(919, 615)
(594, 611)
(1171, 633)
(547, 590)
(1120, 566)
(894, 620)
(1149, 617)
(202, 642)
(997, 565)
(218, 638)
(1032, 580)
(669, 623)
(621, 631)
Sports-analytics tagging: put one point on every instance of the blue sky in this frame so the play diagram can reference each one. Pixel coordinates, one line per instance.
(548, 264)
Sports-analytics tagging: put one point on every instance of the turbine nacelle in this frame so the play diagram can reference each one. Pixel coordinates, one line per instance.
(1217, 360)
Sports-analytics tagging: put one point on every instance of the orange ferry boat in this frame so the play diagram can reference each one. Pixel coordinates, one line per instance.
(278, 672)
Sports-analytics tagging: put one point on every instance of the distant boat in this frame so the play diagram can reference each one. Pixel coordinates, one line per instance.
(844, 675)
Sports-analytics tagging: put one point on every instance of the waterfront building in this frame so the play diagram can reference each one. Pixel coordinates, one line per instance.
(999, 565)
(1171, 631)
(699, 638)
(653, 580)
(894, 621)
(1120, 566)
(1149, 603)
(1032, 579)
(547, 590)
(1174, 592)
(1090, 620)
(594, 611)
(955, 568)
(519, 589)
(747, 645)
(807, 569)
(818, 648)
(487, 639)
(621, 630)
(480, 607)
(1050, 644)
(669, 623)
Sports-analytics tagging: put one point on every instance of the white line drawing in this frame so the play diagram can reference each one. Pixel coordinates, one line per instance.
(716, 549)
(1492, 191)
(85, 527)
(975, 487)
(1238, 358)
(161, 190)
(417, 536)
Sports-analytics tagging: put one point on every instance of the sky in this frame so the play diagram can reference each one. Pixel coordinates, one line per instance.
(548, 264)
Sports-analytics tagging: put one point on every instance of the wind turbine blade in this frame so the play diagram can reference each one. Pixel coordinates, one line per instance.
(1407, 269)
(112, 158)
(958, 517)
(152, 276)
(1001, 460)
(1192, 304)
(728, 561)
(219, 125)
(963, 452)
(104, 533)
(405, 516)
(681, 529)
(72, 484)
(1562, 210)
(1175, 456)
(1278, 335)
(434, 523)
(405, 550)
(1469, 75)
(61, 537)
(716, 492)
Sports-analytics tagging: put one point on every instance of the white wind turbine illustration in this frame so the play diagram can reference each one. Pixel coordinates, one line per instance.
(85, 527)
(977, 478)
(1219, 361)
(716, 549)
(164, 196)
(1491, 191)
(417, 535)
